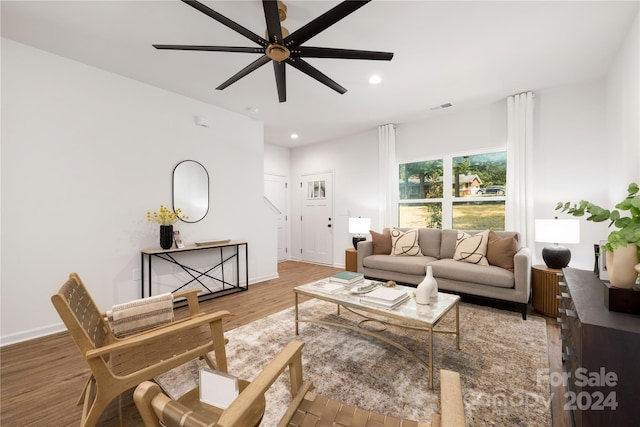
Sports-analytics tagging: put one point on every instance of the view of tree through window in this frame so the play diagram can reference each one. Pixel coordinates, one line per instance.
(420, 181)
(476, 200)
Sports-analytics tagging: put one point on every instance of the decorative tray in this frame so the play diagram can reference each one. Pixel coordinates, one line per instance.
(363, 289)
(213, 242)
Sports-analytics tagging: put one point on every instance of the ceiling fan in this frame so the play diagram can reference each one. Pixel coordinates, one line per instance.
(282, 48)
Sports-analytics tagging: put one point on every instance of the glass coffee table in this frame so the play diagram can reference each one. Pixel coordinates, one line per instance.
(409, 315)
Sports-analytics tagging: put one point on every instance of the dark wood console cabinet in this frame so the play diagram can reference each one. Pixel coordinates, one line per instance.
(600, 352)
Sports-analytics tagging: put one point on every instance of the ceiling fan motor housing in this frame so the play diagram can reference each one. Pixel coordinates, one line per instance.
(277, 52)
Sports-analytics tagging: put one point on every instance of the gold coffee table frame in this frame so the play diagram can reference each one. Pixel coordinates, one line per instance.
(408, 316)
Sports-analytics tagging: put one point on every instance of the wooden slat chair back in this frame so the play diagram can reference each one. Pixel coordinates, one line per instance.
(119, 364)
(306, 408)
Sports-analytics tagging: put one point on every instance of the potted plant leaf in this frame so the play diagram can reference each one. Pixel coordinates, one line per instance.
(623, 244)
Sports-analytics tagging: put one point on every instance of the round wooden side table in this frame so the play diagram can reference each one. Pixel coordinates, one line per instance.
(544, 281)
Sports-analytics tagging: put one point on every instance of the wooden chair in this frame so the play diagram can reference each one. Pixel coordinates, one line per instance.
(119, 364)
(306, 408)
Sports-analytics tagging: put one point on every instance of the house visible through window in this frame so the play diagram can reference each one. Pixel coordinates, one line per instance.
(474, 198)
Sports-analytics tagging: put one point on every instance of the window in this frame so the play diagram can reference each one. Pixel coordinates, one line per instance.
(474, 199)
(421, 191)
(315, 190)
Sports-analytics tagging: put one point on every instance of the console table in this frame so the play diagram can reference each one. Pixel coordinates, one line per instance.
(222, 276)
(600, 351)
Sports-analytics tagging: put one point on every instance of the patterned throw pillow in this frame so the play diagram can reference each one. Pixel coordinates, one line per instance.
(405, 243)
(472, 248)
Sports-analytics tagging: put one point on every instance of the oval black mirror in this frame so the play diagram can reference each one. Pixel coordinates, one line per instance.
(191, 190)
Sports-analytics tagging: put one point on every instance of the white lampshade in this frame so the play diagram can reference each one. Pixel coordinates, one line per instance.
(359, 225)
(558, 230)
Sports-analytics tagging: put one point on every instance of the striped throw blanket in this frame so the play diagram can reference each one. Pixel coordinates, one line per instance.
(142, 314)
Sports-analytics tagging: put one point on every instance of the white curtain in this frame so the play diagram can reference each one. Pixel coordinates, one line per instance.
(519, 198)
(388, 210)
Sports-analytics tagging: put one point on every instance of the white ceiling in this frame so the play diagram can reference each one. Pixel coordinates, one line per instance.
(466, 53)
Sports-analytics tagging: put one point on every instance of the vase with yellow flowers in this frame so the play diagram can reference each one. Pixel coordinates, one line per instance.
(166, 218)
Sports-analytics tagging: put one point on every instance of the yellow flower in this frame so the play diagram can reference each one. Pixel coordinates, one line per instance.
(166, 216)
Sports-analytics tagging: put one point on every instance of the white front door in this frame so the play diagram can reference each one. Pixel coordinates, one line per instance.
(275, 190)
(317, 218)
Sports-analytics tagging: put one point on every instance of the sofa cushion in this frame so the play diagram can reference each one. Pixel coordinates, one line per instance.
(500, 251)
(472, 273)
(448, 245)
(405, 243)
(472, 248)
(381, 242)
(399, 264)
(430, 240)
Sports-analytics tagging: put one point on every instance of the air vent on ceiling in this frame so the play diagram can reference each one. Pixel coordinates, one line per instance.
(441, 106)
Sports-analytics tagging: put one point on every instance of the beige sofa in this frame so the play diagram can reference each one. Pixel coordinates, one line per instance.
(438, 249)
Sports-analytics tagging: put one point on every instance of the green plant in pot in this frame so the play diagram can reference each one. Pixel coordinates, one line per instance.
(623, 244)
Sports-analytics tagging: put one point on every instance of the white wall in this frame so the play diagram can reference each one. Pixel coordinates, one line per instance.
(85, 154)
(354, 162)
(452, 131)
(277, 160)
(570, 159)
(623, 116)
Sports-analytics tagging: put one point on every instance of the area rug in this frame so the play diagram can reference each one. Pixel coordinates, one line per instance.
(503, 365)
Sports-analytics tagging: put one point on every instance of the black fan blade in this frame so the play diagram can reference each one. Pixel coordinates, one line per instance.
(281, 83)
(312, 71)
(322, 22)
(210, 48)
(246, 70)
(226, 21)
(273, 21)
(326, 52)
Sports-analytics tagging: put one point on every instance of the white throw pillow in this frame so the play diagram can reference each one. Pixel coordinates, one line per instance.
(472, 248)
(405, 243)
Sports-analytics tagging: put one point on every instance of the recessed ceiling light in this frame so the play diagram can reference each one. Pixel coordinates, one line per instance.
(294, 136)
(375, 79)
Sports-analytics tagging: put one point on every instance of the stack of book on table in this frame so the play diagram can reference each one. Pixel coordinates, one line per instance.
(347, 278)
(327, 287)
(389, 298)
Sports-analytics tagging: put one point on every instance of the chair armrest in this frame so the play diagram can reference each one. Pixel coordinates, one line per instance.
(451, 404)
(192, 300)
(153, 404)
(365, 249)
(157, 333)
(290, 356)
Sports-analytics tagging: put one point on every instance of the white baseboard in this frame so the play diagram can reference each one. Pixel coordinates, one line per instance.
(59, 327)
(31, 334)
(255, 280)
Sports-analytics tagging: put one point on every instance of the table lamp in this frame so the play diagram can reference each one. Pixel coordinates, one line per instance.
(557, 231)
(359, 227)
